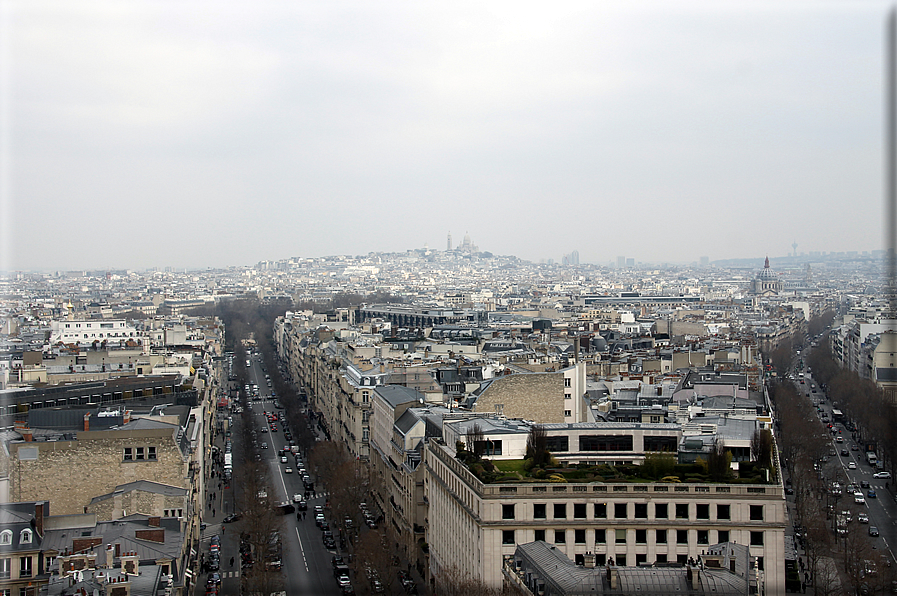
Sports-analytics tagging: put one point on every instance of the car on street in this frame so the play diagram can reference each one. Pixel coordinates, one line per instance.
(845, 452)
(873, 531)
(319, 519)
(288, 470)
(858, 498)
(871, 494)
(214, 579)
(233, 517)
(264, 445)
(283, 459)
(864, 483)
(343, 580)
(852, 465)
(882, 475)
(862, 517)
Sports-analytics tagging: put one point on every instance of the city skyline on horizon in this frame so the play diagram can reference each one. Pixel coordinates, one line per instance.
(611, 264)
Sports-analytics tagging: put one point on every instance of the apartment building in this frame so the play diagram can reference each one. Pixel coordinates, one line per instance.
(474, 525)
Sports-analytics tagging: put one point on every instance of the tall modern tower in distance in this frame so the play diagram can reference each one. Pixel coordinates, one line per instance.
(448, 243)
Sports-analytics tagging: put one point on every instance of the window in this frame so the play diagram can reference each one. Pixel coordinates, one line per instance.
(5, 568)
(620, 510)
(6, 537)
(568, 413)
(703, 537)
(560, 511)
(539, 535)
(722, 536)
(25, 536)
(140, 454)
(151, 453)
(539, 511)
(558, 444)
(641, 536)
(660, 511)
(600, 510)
(605, 443)
(579, 536)
(702, 511)
(568, 396)
(600, 536)
(759, 563)
(567, 381)
(641, 558)
(507, 511)
(669, 444)
(660, 536)
(681, 510)
(25, 566)
(641, 511)
(620, 536)
(722, 512)
(756, 538)
(507, 536)
(756, 512)
(621, 560)
(661, 558)
(600, 560)
(681, 536)
(560, 537)
(579, 510)
(49, 561)
(129, 453)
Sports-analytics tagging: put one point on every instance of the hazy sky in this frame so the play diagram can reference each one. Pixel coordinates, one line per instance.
(194, 134)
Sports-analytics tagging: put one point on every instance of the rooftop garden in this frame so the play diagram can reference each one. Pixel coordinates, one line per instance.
(540, 466)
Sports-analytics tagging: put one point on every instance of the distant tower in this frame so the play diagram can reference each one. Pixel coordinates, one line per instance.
(448, 244)
(574, 257)
(794, 246)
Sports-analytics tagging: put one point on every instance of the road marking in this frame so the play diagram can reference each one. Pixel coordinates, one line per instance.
(302, 549)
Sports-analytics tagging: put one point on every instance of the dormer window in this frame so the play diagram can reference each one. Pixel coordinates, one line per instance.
(6, 537)
(25, 536)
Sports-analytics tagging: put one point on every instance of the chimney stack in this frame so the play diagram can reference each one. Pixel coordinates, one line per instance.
(87, 422)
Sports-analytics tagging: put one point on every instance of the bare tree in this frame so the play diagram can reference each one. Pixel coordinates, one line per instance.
(476, 441)
(537, 446)
(455, 582)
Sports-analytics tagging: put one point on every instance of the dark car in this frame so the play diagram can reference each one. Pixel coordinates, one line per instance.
(214, 579)
(845, 452)
(871, 494)
(233, 517)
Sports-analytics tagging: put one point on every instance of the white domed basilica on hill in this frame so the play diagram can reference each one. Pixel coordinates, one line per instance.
(767, 282)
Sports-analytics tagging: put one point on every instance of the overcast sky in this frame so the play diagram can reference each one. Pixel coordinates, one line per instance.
(204, 134)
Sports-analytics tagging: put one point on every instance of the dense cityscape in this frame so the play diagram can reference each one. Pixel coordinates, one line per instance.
(450, 422)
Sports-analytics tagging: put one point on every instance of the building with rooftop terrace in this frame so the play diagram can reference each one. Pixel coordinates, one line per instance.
(475, 524)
